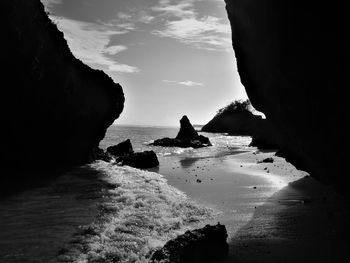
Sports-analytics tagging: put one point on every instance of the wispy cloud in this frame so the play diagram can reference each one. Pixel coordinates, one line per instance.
(179, 9)
(129, 20)
(188, 83)
(90, 42)
(186, 25)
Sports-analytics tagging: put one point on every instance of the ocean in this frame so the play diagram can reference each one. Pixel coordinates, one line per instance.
(106, 213)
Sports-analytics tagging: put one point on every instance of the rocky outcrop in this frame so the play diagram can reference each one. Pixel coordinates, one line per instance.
(186, 137)
(236, 119)
(186, 132)
(123, 154)
(121, 149)
(54, 109)
(203, 245)
(146, 159)
(293, 59)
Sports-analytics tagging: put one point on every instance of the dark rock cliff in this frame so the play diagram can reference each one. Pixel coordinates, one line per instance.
(54, 108)
(235, 119)
(293, 58)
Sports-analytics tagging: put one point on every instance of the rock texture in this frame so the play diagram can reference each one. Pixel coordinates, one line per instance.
(54, 108)
(293, 58)
(121, 149)
(203, 245)
(146, 159)
(186, 137)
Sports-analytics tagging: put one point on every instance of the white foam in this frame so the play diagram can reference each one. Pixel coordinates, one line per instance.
(139, 215)
(182, 150)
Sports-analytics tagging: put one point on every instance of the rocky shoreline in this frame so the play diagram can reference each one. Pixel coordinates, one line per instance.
(187, 137)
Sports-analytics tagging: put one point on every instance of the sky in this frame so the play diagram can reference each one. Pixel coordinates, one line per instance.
(172, 57)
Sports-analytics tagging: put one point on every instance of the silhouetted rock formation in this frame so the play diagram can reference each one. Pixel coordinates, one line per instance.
(186, 132)
(121, 149)
(293, 59)
(236, 119)
(203, 245)
(146, 159)
(187, 137)
(54, 109)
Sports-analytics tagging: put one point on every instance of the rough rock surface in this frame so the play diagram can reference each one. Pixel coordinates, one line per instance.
(186, 137)
(54, 109)
(121, 149)
(293, 59)
(146, 159)
(203, 245)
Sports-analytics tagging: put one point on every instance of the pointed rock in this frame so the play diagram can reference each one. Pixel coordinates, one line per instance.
(187, 132)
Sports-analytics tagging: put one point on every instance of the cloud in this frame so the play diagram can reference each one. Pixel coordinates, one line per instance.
(90, 43)
(203, 33)
(188, 83)
(113, 50)
(129, 20)
(186, 25)
(181, 9)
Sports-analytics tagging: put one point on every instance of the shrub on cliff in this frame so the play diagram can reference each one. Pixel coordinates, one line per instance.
(235, 107)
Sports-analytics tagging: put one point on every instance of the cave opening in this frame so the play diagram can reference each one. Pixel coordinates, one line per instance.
(172, 58)
(81, 193)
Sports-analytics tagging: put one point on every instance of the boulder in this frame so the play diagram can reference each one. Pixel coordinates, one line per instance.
(121, 149)
(203, 245)
(146, 159)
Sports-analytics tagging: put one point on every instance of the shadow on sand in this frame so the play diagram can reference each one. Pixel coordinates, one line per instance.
(304, 222)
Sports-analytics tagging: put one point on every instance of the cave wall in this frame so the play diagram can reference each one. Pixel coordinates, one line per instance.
(54, 108)
(293, 59)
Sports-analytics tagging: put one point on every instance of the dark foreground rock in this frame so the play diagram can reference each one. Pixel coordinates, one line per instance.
(265, 140)
(121, 149)
(100, 154)
(187, 137)
(293, 59)
(146, 159)
(203, 245)
(54, 109)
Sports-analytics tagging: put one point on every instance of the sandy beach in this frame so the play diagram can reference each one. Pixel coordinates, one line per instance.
(272, 211)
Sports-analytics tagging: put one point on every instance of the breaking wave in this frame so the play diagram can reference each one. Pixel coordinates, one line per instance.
(140, 212)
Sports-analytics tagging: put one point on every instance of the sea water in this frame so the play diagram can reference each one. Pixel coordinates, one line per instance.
(106, 213)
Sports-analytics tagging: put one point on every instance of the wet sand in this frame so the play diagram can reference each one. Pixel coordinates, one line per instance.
(304, 222)
(233, 185)
(272, 211)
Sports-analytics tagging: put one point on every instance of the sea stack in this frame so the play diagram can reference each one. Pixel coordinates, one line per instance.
(186, 130)
(187, 137)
